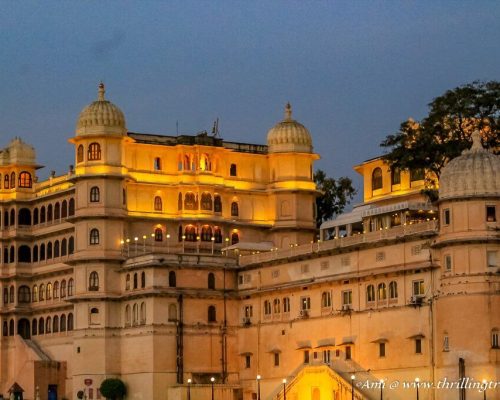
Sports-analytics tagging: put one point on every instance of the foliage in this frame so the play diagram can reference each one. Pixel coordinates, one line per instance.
(80, 394)
(113, 388)
(445, 132)
(336, 194)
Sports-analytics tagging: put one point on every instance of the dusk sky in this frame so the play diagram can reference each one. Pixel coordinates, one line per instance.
(353, 71)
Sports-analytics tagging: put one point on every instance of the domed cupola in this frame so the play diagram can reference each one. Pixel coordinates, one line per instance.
(101, 117)
(476, 172)
(289, 136)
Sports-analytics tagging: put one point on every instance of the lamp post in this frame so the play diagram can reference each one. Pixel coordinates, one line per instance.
(381, 389)
(258, 387)
(485, 383)
(183, 244)
(189, 389)
(136, 240)
(122, 243)
(128, 247)
(212, 379)
(197, 244)
(168, 242)
(353, 377)
(144, 243)
(213, 241)
(417, 380)
(152, 242)
(227, 244)
(284, 389)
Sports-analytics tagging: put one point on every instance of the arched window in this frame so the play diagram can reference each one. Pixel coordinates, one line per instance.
(56, 289)
(494, 338)
(382, 291)
(49, 213)
(206, 201)
(370, 293)
(70, 287)
(63, 323)
(267, 307)
(79, 154)
(205, 164)
(63, 288)
(286, 304)
(276, 306)
(48, 325)
(48, 291)
(326, 299)
(135, 316)
(11, 294)
(218, 235)
(41, 326)
(157, 164)
(94, 236)
(35, 253)
(12, 180)
(212, 314)
(34, 327)
(94, 281)
(136, 281)
(24, 294)
(94, 194)
(42, 214)
(56, 249)
(24, 254)
(158, 235)
(35, 216)
(211, 281)
(377, 179)
(172, 281)
(35, 293)
(49, 250)
(179, 201)
(206, 233)
(127, 315)
(6, 219)
(57, 211)
(70, 321)
(234, 209)
(395, 176)
(94, 316)
(127, 282)
(6, 181)
(42, 252)
(64, 247)
(217, 203)
(11, 258)
(143, 313)
(158, 204)
(190, 233)
(393, 290)
(71, 245)
(94, 152)
(190, 201)
(12, 220)
(143, 279)
(64, 209)
(235, 238)
(172, 312)
(6, 296)
(41, 293)
(55, 324)
(5, 255)
(71, 207)
(232, 170)
(25, 180)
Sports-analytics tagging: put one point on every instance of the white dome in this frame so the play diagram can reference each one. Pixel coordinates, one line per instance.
(101, 114)
(289, 136)
(476, 172)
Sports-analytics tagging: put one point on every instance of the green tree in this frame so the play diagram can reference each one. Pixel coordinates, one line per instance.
(445, 132)
(336, 194)
(113, 388)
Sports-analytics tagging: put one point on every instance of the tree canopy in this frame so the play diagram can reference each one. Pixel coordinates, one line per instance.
(113, 388)
(336, 194)
(445, 132)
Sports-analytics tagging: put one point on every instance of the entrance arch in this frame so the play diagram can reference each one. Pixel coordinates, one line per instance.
(23, 328)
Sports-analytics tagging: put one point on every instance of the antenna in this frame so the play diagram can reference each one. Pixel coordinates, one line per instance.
(215, 129)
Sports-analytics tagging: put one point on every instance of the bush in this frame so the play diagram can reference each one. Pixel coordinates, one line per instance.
(113, 388)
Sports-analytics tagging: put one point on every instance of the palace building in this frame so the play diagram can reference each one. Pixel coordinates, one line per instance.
(189, 266)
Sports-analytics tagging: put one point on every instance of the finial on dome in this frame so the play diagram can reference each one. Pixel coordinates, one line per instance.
(288, 112)
(476, 141)
(101, 92)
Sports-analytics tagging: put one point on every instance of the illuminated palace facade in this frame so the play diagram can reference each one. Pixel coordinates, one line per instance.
(167, 261)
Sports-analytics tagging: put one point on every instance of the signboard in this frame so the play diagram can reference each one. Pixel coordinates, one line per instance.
(87, 382)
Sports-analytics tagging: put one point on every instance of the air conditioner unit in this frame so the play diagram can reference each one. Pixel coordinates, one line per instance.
(246, 321)
(346, 307)
(416, 299)
(304, 313)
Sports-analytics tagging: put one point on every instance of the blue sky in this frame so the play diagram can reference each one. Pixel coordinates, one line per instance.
(352, 70)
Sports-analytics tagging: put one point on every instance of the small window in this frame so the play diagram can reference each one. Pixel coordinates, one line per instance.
(127, 282)
(347, 297)
(172, 279)
(79, 154)
(446, 216)
(157, 164)
(217, 204)
(286, 304)
(235, 238)
(94, 152)
(370, 293)
(418, 288)
(267, 307)
(326, 299)
(491, 257)
(158, 235)
(447, 263)
(348, 354)
(418, 346)
(306, 356)
(494, 339)
(377, 179)
(381, 349)
(232, 170)
(395, 176)
(491, 214)
(206, 201)
(12, 180)
(211, 281)
(94, 236)
(94, 195)
(212, 315)
(94, 281)
(276, 306)
(248, 310)
(248, 361)
(71, 285)
(234, 209)
(382, 292)
(446, 343)
(158, 203)
(305, 303)
(6, 181)
(276, 359)
(393, 290)
(25, 180)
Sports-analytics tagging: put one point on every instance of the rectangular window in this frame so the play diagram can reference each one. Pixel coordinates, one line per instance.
(446, 216)
(492, 259)
(306, 356)
(325, 265)
(275, 273)
(418, 288)
(157, 164)
(248, 361)
(276, 359)
(418, 346)
(494, 339)
(326, 356)
(305, 303)
(248, 311)
(491, 214)
(347, 297)
(447, 263)
(348, 352)
(381, 349)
